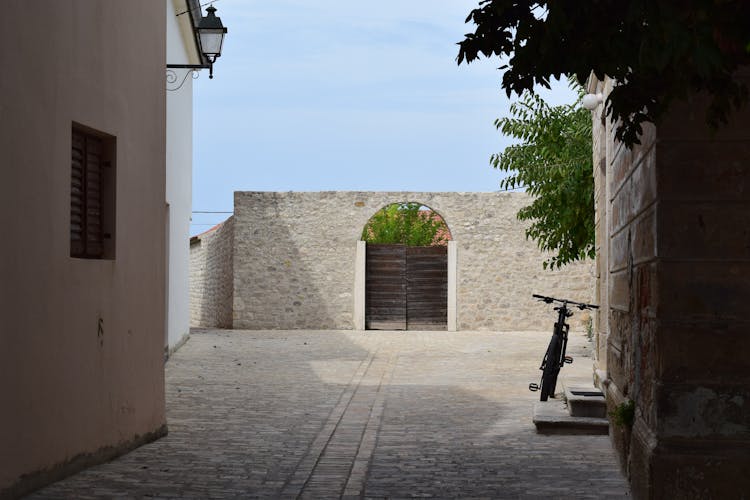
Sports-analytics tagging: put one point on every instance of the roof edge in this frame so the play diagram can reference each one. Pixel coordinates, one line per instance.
(194, 8)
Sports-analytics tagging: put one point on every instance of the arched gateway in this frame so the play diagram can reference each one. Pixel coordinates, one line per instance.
(406, 268)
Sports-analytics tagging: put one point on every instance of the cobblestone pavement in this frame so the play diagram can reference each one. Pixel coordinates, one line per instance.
(325, 414)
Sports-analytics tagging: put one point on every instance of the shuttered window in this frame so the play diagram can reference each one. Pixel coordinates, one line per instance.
(87, 191)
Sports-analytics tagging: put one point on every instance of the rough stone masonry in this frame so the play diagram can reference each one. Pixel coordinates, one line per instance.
(293, 262)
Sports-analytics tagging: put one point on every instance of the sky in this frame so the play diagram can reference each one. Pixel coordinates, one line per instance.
(342, 95)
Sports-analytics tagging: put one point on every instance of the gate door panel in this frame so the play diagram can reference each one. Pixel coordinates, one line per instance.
(427, 288)
(406, 288)
(385, 287)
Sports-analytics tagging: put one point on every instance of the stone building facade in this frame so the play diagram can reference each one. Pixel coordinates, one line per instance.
(673, 279)
(293, 261)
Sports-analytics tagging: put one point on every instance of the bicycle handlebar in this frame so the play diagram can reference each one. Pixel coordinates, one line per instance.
(580, 305)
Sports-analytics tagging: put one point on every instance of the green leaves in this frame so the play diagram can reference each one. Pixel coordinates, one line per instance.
(657, 50)
(408, 224)
(624, 414)
(553, 160)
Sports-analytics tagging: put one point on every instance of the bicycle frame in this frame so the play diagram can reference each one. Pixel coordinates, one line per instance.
(555, 357)
(561, 330)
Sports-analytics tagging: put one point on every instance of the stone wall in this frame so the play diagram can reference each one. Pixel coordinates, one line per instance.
(675, 275)
(626, 264)
(211, 277)
(294, 258)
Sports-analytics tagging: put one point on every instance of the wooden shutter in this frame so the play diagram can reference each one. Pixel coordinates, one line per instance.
(94, 246)
(86, 196)
(77, 233)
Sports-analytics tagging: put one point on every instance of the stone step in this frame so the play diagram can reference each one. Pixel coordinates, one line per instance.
(585, 401)
(552, 417)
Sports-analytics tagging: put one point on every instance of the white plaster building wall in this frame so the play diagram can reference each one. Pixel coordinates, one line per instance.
(180, 50)
(294, 260)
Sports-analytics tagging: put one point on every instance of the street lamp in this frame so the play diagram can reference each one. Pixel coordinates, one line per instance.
(591, 101)
(210, 38)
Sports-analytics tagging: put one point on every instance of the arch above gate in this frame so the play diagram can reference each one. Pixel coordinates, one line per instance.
(409, 223)
(405, 271)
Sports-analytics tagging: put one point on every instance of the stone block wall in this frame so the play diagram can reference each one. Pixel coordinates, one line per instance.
(211, 280)
(601, 223)
(628, 258)
(703, 391)
(294, 260)
(674, 270)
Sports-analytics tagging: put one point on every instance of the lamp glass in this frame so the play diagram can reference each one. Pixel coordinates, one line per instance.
(211, 42)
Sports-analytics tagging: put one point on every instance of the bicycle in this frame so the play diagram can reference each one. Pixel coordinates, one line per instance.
(555, 357)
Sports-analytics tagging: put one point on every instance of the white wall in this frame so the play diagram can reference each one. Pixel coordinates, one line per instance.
(179, 171)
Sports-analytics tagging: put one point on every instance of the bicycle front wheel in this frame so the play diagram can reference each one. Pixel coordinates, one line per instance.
(551, 368)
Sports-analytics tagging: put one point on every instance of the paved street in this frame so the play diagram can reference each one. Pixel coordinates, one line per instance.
(322, 414)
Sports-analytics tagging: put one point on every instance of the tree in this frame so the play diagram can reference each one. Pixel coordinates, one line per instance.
(658, 51)
(554, 162)
(407, 224)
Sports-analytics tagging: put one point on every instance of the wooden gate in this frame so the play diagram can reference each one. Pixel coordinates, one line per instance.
(406, 288)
